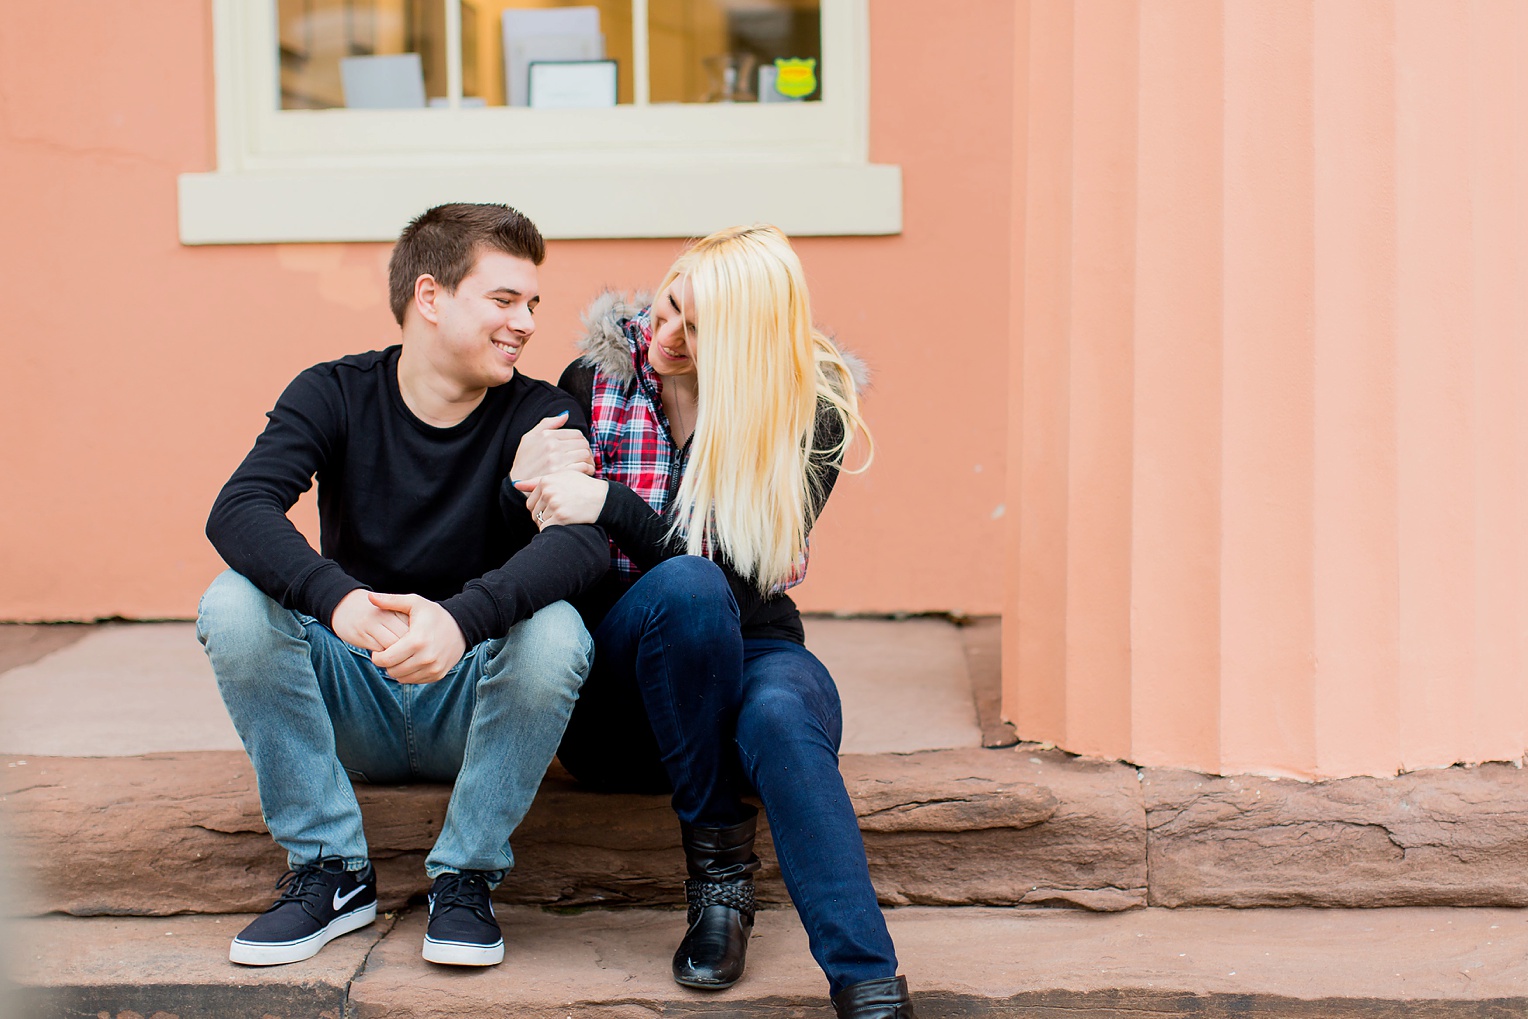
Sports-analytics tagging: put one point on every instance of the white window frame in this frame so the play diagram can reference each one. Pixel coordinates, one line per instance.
(639, 170)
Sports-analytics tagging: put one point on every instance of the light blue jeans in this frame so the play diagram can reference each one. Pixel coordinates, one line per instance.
(311, 708)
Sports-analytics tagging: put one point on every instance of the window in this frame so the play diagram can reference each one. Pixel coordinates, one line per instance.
(341, 119)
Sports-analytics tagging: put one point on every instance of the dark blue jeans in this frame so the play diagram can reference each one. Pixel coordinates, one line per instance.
(726, 717)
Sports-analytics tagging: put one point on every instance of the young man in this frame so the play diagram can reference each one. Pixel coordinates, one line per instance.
(429, 639)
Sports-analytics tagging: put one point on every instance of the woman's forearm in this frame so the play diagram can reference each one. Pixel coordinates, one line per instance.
(637, 528)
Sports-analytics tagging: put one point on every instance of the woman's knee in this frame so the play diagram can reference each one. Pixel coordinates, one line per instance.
(688, 595)
(687, 579)
(774, 715)
(793, 705)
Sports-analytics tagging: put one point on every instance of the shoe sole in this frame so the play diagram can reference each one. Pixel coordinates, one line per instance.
(697, 985)
(256, 953)
(455, 953)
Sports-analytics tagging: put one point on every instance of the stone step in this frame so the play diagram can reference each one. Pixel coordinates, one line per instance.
(1292, 963)
(124, 793)
(172, 833)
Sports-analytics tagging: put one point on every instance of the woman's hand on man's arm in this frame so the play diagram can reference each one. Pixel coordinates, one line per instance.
(550, 447)
(564, 497)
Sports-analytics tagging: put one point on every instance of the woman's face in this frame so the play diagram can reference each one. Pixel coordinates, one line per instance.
(673, 349)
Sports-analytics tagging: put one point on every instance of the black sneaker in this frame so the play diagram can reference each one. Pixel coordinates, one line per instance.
(462, 931)
(318, 903)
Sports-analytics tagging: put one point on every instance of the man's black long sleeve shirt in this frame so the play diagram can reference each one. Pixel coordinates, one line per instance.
(404, 507)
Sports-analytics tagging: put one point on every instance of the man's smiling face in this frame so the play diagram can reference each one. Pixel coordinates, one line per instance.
(485, 324)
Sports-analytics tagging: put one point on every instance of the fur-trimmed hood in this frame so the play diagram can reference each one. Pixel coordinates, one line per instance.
(604, 343)
(605, 346)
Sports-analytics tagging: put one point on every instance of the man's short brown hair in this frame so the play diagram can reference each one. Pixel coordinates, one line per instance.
(444, 242)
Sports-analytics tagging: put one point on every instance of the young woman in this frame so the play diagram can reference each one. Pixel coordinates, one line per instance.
(720, 419)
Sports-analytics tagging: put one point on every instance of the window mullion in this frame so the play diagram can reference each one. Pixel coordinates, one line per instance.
(454, 53)
(639, 82)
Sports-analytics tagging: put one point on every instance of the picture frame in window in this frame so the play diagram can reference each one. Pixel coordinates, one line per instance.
(572, 84)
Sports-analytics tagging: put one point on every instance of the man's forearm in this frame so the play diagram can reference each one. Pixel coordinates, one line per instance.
(558, 564)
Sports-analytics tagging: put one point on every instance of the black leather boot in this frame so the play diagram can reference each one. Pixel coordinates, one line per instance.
(719, 891)
(875, 999)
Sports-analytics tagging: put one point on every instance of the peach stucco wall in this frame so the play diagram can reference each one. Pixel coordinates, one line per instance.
(138, 370)
(1202, 357)
(1271, 445)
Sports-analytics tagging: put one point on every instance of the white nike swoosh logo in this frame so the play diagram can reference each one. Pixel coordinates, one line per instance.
(340, 900)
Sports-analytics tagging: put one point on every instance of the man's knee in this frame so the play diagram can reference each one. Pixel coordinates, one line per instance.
(549, 653)
(236, 618)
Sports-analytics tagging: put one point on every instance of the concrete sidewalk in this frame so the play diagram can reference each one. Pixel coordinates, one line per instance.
(1286, 963)
(123, 689)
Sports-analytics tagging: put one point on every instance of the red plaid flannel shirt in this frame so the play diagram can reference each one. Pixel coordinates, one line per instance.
(632, 442)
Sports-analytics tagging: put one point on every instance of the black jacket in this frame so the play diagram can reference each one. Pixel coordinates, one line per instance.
(642, 533)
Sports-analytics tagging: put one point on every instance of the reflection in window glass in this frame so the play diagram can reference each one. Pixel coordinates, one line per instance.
(377, 54)
(512, 34)
(734, 50)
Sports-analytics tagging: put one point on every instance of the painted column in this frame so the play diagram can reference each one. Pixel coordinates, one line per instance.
(1269, 435)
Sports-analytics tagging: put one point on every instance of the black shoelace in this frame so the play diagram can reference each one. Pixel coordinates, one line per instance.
(469, 891)
(304, 886)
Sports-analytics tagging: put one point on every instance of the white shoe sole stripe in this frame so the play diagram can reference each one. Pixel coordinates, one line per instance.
(276, 953)
(457, 953)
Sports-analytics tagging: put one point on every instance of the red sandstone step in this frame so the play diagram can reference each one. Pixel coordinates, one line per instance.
(176, 833)
(1290, 963)
(171, 833)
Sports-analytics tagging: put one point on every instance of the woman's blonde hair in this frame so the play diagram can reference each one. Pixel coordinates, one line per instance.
(762, 368)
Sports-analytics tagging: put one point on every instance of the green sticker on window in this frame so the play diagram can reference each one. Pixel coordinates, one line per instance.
(795, 77)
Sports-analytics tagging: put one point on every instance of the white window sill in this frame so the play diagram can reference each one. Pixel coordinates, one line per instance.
(573, 202)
